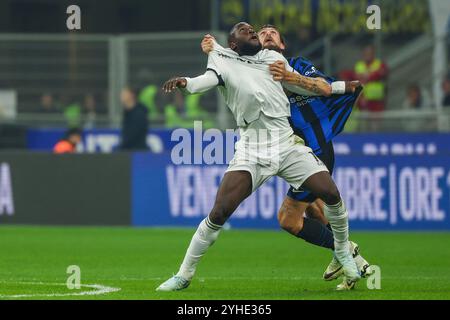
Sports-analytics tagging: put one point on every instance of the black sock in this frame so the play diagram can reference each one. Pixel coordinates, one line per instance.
(316, 233)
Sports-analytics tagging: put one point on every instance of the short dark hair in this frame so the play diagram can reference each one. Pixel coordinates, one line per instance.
(231, 35)
(268, 25)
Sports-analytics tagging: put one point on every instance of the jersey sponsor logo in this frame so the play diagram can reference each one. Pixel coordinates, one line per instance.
(310, 72)
(305, 102)
(222, 55)
(300, 100)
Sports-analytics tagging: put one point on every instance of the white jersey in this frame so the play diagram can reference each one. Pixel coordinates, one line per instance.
(249, 90)
(267, 146)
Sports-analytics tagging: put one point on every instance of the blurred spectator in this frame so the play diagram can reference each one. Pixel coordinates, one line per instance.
(416, 98)
(48, 104)
(446, 89)
(372, 72)
(148, 98)
(69, 143)
(175, 112)
(72, 111)
(90, 110)
(184, 110)
(134, 122)
(194, 111)
(148, 94)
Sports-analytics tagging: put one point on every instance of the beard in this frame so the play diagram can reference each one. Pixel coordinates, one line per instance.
(249, 49)
(273, 47)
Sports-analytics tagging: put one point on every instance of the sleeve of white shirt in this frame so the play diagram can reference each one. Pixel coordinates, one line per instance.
(202, 83)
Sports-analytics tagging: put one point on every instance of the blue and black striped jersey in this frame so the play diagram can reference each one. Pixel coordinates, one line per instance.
(318, 119)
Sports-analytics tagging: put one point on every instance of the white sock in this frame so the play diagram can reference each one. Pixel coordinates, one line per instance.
(338, 218)
(206, 234)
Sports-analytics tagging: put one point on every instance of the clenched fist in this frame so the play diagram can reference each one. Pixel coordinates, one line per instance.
(351, 86)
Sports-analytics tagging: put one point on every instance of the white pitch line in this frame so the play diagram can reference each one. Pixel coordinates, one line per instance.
(99, 289)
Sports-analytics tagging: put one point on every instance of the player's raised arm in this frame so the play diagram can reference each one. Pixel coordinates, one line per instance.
(295, 82)
(198, 84)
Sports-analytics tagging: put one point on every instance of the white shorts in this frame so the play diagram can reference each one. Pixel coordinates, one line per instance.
(291, 160)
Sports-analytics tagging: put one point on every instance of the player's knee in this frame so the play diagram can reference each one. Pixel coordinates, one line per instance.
(287, 219)
(331, 195)
(293, 227)
(283, 220)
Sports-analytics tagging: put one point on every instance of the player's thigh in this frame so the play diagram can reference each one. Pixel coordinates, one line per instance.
(298, 165)
(235, 187)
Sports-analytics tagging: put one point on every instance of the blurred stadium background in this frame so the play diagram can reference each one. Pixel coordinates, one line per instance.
(393, 161)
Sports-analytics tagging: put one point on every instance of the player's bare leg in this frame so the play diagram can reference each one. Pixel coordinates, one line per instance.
(291, 219)
(235, 187)
(290, 215)
(322, 185)
(315, 211)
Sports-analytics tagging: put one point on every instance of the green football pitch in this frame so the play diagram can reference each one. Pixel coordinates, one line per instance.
(129, 263)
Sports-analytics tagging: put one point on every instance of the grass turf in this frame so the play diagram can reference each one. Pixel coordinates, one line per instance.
(241, 265)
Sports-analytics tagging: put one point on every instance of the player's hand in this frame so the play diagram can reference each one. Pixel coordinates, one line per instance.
(363, 77)
(351, 86)
(278, 70)
(174, 83)
(208, 43)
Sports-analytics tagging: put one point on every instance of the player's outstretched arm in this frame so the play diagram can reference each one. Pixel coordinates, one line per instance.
(198, 84)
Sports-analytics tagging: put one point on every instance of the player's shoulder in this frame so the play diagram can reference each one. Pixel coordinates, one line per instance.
(222, 52)
(300, 61)
(301, 64)
(272, 54)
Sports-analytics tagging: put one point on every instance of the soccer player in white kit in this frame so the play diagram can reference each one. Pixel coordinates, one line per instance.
(267, 146)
